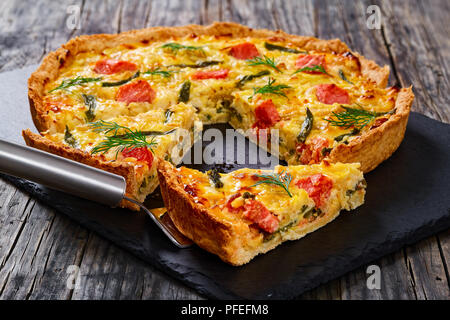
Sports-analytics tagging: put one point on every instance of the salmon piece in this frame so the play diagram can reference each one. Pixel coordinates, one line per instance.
(244, 51)
(266, 115)
(111, 66)
(211, 74)
(310, 61)
(318, 187)
(138, 91)
(331, 93)
(141, 154)
(256, 212)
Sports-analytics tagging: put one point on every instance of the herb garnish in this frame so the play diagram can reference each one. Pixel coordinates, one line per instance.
(121, 82)
(129, 139)
(306, 126)
(185, 92)
(272, 47)
(214, 176)
(314, 68)
(250, 77)
(282, 179)
(257, 61)
(343, 77)
(269, 88)
(157, 71)
(89, 101)
(353, 117)
(67, 83)
(175, 47)
(70, 139)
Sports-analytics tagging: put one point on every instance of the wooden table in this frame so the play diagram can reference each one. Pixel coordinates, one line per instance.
(37, 245)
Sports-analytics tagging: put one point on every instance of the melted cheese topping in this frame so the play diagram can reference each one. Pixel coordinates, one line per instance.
(347, 192)
(211, 100)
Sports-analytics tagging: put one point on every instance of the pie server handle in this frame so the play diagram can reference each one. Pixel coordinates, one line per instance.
(61, 174)
(76, 179)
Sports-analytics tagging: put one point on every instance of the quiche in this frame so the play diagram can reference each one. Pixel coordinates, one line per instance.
(119, 102)
(250, 211)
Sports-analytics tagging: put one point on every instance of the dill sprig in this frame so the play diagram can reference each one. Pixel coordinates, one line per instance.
(175, 47)
(129, 139)
(270, 88)
(157, 71)
(257, 61)
(67, 83)
(352, 117)
(282, 179)
(314, 68)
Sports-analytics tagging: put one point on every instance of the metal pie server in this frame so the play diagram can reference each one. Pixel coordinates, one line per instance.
(77, 179)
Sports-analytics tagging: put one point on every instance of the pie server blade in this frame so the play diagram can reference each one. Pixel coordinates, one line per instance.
(77, 179)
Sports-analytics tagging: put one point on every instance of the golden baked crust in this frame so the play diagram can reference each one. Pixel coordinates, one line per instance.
(375, 146)
(369, 149)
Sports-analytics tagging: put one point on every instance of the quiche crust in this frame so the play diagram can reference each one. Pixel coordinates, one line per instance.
(370, 149)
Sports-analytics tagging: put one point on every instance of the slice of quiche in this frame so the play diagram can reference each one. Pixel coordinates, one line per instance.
(248, 211)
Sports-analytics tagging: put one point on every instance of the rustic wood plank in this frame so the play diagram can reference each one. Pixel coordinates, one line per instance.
(61, 246)
(328, 291)
(444, 246)
(211, 11)
(37, 246)
(30, 30)
(255, 14)
(18, 275)
(395, 281)
(176, 13)
(13, 218)
(296, 17)
(134, 15)
(107, 272)
(419, 49)
(418, 39)
(428, 271)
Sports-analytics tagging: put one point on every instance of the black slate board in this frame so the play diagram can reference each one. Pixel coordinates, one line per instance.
(407, 199)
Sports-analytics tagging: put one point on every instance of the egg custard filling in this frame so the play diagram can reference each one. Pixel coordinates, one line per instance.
(248, 211)
(124, 103)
